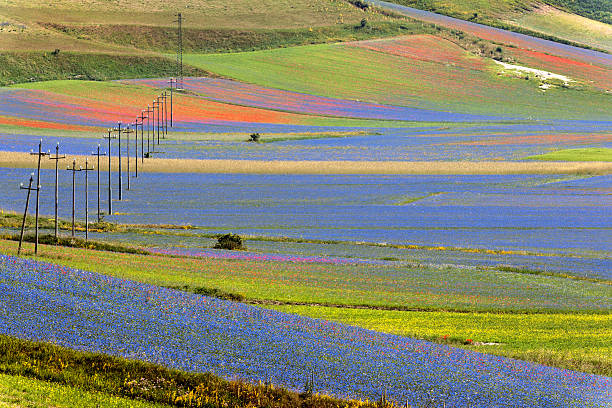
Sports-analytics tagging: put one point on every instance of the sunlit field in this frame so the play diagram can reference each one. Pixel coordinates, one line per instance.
(340, 204)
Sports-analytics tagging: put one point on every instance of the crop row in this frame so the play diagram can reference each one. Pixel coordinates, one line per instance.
(239, 93)
(56, 105)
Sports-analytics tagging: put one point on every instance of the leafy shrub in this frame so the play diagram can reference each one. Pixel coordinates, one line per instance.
(229, 241)
(254, 137)
(360, 4)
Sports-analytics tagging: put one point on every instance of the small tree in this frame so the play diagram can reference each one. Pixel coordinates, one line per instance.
(254, 137)
(229, 241)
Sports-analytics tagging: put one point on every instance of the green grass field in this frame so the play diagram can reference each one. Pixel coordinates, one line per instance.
(19, 67)
(351, 72)
(19, 391)
(586, 154)
(575, 341)
(37, 374)
(418, 287)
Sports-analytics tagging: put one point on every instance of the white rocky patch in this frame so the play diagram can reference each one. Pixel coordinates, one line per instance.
(542, 75)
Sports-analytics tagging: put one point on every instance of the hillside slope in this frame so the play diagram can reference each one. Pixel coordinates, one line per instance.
(25, 27)
(421, 71)
(109, 30)
(585, 22)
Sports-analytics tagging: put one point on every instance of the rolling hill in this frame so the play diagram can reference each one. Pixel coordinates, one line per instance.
(585, 22)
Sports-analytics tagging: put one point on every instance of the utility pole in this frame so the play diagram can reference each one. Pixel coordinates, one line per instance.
(160, 101)
(164, 98)
(172, 82)
(87, 169)
(142, 118)
(153, 118)
(98, 154)
(120, 175)
(127, 131)
(40, 154)
(110, 190)
(57, 158)
(155, 126)
(149, 113)
(73, 169)
(25, 212)
(179, 53)
(159, 111)
(136, 124)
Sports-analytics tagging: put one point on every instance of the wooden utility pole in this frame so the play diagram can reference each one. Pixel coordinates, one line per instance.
(155, 107)
(110, 190)
(136, 124)
(120, 175)
(87, 169)
(142, 118)
(73, 169)
(153, 120)
(25, 212)
(159, 118)
(127, 131)
(98, 154)
(57, 158)
(40, 154)
(172, 82)
(149, 113)
(164, 99)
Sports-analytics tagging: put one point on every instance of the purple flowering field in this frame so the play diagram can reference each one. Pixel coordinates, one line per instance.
(87, 311)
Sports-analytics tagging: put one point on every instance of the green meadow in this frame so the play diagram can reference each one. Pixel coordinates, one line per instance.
(415, 287)
(20, 391)
(574, 341)
(344, 71)
(603, 154)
